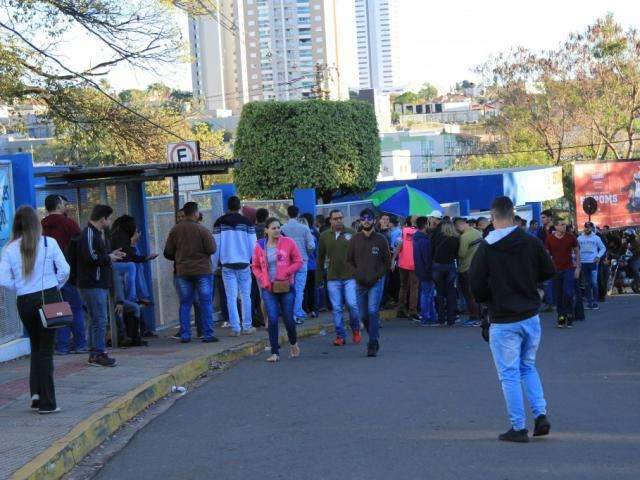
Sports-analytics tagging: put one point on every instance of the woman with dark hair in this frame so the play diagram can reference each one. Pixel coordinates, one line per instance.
(445, 246)
(276, 259)
(33, 265)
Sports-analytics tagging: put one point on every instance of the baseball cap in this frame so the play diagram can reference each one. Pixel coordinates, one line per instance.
(589, 225)
(436, 214)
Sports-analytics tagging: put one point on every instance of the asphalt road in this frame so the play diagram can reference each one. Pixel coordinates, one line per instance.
(429, 406)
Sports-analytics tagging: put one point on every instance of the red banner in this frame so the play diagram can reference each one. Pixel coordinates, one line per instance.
(615, 186)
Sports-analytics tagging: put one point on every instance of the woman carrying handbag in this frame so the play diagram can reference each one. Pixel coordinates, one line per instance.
(276, 259)
(34, 266)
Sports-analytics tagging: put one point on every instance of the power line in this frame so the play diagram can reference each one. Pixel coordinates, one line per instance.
(480, 154)
(100, 89)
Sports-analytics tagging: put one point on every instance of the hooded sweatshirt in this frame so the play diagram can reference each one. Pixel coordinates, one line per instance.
(505, 273)
(422, 256)
(61, 228)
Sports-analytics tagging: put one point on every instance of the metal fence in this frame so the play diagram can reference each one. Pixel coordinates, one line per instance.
(277, 208)
(350, 210)
(10, 326)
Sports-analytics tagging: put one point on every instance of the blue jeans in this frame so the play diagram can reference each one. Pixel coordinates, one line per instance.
(188, 287)
(129, 271)
(78, 329)
(589, 272)
(427, 302)
(300, 281)
(141, 282)
(563, 292)
(341, 292)
(514, 347)
(97, 301)
(369, 308)
(548, 293)
(279, 305)
(238, 281)
(444, 277)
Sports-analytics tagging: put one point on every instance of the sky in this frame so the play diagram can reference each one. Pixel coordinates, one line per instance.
(441, 42)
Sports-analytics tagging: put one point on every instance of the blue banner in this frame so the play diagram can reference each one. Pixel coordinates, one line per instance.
(7, 207)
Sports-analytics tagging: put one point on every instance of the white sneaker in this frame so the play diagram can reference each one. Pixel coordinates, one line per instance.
(46, 412)
(249, 331)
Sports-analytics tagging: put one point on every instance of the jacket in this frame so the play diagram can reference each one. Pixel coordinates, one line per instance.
(120, 239)
(444, 249)
(335, 251)
(591, 247)
(93, 261)
(301, 234)
(288, 263)
(422, 256)
(505, 273)
(61, 228)
(470, 240)
(190, 246)
(235, 237)
(369, 257)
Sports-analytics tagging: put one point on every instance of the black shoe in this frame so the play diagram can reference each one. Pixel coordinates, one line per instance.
(416, 318)
(519, 436)
(372, 349)
(177, 335)
(149, 334)
(542, 426)
(102, 360)
(138, 342)
(35, 403)
(210, 340)
(182, 340)
(562, 322)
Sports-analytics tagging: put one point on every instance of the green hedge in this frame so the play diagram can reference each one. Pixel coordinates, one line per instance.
(330, 146)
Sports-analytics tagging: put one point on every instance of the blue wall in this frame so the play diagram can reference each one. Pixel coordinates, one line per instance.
(24, 191)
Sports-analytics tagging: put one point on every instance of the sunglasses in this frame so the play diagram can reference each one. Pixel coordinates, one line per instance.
(366, 218)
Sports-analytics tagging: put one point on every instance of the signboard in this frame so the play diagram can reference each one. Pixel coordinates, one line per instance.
(6, 207)
(536, 185)
(182, 152)
(616, 188)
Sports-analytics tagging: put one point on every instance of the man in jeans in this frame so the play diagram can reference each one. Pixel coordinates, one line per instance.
(564, 250)
(504, 274)
(341, 284)
(370, 258)
(423, 262)
(303, 237)
(235, 236)
(591, 252)
(60, 227)
(94, 275)
(190, 247)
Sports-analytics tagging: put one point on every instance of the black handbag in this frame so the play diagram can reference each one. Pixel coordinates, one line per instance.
(58, 314)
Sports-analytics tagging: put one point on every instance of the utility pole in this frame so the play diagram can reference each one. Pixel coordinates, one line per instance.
(319, 91)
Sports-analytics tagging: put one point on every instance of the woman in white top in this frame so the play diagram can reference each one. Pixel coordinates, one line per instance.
(34, 266)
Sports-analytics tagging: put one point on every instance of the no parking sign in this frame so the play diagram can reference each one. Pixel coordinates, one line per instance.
(182, 152)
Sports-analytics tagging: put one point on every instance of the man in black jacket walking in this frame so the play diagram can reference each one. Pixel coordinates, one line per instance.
(504, 274)
(94, 259)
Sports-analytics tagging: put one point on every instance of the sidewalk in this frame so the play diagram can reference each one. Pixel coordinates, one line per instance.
(96, 401)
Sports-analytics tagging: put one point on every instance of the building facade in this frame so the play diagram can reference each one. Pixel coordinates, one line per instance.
(377, 41)
(247, 50)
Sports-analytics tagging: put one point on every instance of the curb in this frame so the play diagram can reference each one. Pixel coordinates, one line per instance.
(65, 453)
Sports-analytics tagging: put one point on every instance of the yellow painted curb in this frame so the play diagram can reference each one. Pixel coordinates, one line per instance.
(66, 452)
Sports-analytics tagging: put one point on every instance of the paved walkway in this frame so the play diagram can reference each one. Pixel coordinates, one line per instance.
(83, 390)
(429, 406)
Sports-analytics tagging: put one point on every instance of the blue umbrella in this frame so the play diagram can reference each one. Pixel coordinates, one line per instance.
(405, 201)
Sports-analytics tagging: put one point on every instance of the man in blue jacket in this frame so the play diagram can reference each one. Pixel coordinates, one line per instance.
(423, 261)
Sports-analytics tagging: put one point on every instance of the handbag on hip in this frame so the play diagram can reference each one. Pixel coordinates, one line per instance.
(281, 286)
(58, 314)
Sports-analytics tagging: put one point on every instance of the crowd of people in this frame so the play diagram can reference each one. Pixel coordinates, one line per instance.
(433, 270)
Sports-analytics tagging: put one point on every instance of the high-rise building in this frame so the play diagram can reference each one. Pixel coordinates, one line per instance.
(267, 49)
(377, 37)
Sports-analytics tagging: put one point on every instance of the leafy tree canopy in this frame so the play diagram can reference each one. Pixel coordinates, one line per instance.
(329, 146)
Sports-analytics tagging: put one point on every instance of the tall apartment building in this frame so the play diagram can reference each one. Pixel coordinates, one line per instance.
(377, 37)
(267, 49)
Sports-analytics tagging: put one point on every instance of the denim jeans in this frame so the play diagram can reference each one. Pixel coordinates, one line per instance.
(97, 301)
(563, 291)
(300, 280)
(78, 329)
(129, 271)
(444, 276)
(427, 302)
(514, 347)
(341, 292)
(589, 272)
(238, 281)
(142, 288)
(369, 308)
(188, 287)
(279, 305)
(196, 307)
(548, 293)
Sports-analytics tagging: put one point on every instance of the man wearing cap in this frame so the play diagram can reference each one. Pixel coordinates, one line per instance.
(591, 252)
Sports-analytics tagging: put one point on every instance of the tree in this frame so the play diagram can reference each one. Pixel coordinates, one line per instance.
(329, 146)
(428, 92)
(406, 97)
(34, 53)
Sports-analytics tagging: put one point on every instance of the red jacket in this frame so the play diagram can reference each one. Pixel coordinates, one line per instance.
(61, 228)
(288, 263)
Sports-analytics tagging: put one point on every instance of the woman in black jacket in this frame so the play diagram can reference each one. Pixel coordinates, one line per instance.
(445, 245)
